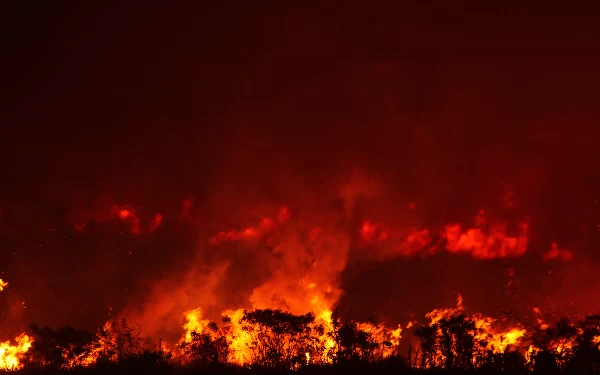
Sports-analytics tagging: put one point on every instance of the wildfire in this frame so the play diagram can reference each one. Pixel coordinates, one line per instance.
(12, 355)
(498, 339)
(194, 323)
(484, 241)
(438, 314)
(302, 283)
(542, 324)
(265, 226)
(482, 244)
(291, 312)
(489, 334)
(241, 336)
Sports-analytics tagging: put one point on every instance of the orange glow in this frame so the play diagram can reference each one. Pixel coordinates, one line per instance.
(265, 226)
(485, 241)
(537, 313)
(490, 335)
(3, 284)
(301, 258)
(498, 338)
(438, 314)
(11, 355)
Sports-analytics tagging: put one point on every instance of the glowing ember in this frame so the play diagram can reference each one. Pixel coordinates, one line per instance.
(3, 284)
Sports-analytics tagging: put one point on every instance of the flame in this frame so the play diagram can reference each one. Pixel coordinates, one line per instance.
(436, 315)
(498, 338)
(310, 259)
(484, 241)
(489, 334)
(241, 337)
(542, 324)
(265, 226)
(306, 259)
(482, 244)
(11, 355)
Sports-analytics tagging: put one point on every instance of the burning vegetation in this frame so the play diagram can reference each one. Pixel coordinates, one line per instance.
(447, 338)
(235, 187)
(295, 321)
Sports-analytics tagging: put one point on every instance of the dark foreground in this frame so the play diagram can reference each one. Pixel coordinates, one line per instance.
(392, 366)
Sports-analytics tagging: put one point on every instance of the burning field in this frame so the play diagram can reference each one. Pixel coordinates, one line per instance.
(277, 286)
(300, 189)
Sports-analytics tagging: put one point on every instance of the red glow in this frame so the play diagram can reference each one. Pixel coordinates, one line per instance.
(124, 214)
(556, 252)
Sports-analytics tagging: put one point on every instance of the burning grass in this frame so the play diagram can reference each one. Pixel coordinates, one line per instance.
(273, 339)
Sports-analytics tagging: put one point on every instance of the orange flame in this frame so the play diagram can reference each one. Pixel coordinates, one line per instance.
(482, 244)
(484, 241)
(11, 355)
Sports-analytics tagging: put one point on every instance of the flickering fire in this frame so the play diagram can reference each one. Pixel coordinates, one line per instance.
(11, 355)
(538, 317)
(487, 240)
(306, 255)
(498, 338)
(264, 227)
(305, 278)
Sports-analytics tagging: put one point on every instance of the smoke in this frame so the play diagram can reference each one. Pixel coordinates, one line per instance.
(158, 187)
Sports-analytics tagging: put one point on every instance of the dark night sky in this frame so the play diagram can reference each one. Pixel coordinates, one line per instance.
(450, 105)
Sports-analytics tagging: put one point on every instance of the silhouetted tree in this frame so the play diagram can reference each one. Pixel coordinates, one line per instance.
(544, 363)
(428, 336)
(119, 342)
(449, 343)
(58, 348)
(211, 347)
(280, 340)
(586, 355)
(557, 340)
(354, 344)
(507, 362)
